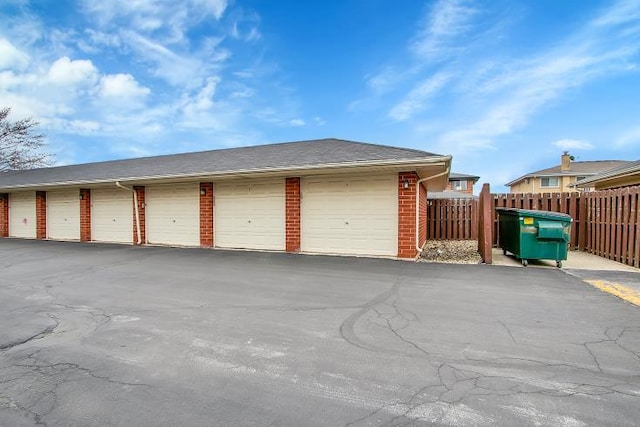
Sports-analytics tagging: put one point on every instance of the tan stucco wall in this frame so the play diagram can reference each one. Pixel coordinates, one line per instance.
(534, 186)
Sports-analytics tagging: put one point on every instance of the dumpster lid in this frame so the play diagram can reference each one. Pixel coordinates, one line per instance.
(535, 214)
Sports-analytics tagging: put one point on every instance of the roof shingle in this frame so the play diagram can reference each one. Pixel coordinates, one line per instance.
(314, 153)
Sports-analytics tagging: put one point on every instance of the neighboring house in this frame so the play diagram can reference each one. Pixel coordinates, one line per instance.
(622, 176)
(462, 183)
(559, 179)
(460, 186)
(325, 196)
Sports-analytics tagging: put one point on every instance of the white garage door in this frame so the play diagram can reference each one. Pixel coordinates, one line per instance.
(173, 214)
(355, 215)
(112, 215)
(250, 215)
(22, 215)
(63, 215)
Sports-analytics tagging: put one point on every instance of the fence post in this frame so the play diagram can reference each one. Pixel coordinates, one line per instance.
(584, 222)
(485, 225)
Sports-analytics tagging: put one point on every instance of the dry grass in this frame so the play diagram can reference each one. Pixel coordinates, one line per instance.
(451, 251)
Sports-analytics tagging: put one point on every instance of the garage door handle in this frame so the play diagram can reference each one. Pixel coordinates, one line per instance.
(346, 222)
(249, 221)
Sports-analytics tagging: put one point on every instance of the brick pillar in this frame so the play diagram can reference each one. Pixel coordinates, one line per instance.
(206, 214)
(41, 215)
(4, 215)
(422, 230)
(292, 213)
(140, 192)
(407, 214)
(85, 215)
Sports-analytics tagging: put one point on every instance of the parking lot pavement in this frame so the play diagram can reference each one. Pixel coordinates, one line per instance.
(118, 335)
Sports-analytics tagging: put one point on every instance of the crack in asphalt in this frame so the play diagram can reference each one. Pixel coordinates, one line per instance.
(394, 321)
(50, 377)
(347, 328)
(463, 381)
(43, 333)
(504, 325)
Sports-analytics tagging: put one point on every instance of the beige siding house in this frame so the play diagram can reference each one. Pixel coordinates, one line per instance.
(561, 178)
(626, 175)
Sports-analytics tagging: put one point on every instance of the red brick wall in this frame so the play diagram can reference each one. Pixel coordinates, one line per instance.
(422, 231)
(206, 214)
(407, 215)
(469, 189)
(292, 213)
(85, 215)
(41, 214)
(141, 209)
(4, 215)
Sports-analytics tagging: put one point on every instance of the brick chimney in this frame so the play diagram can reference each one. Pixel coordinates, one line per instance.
(565, 161)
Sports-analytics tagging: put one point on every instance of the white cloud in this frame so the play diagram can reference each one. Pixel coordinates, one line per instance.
(176, 69)
(169, 20)
(11, 57)
(448, 20)
(122, 86)
(297, 122)
(629, 138)
(319, 121)
(521, 88)
(624, 11)
(65, 72)
(204, 98)
(573, 144)
(246, 27)
(418, 97)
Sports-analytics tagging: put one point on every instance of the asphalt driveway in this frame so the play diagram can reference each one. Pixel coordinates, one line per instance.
(117, 335)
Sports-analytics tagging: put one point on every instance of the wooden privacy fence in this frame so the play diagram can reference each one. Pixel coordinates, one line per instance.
(452, 219)
(605, 223)
(613, 224)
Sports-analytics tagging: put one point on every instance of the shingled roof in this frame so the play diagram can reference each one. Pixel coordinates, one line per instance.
(454, 176)
(314, 154)
(577, 169)
(628, 168)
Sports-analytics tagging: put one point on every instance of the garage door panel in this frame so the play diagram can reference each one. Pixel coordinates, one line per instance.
(173, 214)
(22, 215)
(112, 216)
(350, 215)
(250, 215)
(63, 215)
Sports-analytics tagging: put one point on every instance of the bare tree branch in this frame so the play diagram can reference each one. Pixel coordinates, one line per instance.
(20, 145)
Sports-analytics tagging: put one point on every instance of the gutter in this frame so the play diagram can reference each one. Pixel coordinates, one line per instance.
(137, 211)
(420, 181)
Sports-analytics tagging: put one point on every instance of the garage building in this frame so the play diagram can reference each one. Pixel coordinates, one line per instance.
(323, 196)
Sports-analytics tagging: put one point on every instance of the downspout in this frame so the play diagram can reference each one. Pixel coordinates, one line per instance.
(420, 181)
(135, 208)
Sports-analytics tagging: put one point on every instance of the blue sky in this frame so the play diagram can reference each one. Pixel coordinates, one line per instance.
(503, 86)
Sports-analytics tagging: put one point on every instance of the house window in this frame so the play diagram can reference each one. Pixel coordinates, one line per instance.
(551, 181)
(459, 185)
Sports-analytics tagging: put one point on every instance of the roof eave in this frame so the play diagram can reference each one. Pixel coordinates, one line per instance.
(414, 163)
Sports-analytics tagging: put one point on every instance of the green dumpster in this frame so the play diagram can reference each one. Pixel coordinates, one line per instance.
(531, 234)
